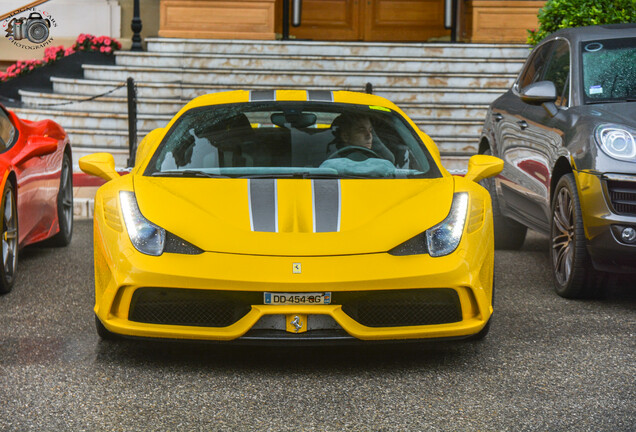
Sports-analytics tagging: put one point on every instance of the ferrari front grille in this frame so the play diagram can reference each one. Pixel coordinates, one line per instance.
(399, 308)
(209, 308)
(622, 196)
(190, 307)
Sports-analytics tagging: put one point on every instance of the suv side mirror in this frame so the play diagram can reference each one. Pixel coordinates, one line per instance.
(483, 166)
(539, 93)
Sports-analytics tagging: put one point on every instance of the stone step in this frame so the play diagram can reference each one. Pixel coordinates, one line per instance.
(445, 111)
(93, 120)
(441, 99)
(120, 155)
(316, 63)
(109, 104)
(101, 140)
(303, 78)
(113, 115)
(435, 115)
(444, 50)
(456, 146)
(182, 91)
(450, 127)
(456, 164)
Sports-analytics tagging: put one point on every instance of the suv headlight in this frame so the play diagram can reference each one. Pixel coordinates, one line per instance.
(617, 141)
(145, 236)
(444, 237)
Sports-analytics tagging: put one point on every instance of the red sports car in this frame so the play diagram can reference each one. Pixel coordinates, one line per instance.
(37, 188)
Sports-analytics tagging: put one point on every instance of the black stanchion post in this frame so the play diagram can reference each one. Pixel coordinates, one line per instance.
(136, 28)
(132, 121)
(368, 88)
(285, 19)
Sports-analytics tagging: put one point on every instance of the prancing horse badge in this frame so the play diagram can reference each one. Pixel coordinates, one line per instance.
(297, 268)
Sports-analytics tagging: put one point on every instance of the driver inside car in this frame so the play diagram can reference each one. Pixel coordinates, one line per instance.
(356, 130)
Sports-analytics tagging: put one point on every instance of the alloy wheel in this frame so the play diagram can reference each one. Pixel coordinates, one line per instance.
(67, 196)
(9, 236)
(563, 236)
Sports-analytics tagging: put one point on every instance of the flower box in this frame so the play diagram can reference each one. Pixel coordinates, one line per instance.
(39, 79)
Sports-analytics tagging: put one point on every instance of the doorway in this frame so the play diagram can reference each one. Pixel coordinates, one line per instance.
(372, 20)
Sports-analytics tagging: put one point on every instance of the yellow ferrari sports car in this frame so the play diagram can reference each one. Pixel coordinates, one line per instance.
(292, 216)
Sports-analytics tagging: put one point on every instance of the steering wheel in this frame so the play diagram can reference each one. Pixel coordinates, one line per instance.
(354, 149)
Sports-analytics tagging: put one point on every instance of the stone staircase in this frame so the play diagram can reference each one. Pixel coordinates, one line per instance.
(444, 88)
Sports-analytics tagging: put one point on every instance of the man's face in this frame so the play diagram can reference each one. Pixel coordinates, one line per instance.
(359, 134)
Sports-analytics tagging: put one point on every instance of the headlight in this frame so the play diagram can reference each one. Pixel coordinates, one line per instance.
(444, 237)
(618, 142)
(441, 239)
(145, 236)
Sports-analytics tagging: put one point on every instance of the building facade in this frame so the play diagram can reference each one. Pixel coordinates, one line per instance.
(504, 21)
(498, 21)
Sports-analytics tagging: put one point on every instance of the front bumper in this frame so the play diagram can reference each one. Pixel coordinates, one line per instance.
(467, 273)
(604, 216)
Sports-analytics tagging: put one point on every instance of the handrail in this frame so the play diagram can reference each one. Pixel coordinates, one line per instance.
(22, 9)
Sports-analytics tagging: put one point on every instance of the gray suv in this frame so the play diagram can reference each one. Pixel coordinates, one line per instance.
(566, 131)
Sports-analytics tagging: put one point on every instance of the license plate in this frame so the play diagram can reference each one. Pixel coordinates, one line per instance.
(315, 298)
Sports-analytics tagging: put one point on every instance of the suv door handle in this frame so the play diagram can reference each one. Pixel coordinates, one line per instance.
(498, 117)
(522, 124)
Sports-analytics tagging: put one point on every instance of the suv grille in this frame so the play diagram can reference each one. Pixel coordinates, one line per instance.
(622, 196)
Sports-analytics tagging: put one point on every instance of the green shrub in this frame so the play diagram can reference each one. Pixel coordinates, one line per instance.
(558, 14)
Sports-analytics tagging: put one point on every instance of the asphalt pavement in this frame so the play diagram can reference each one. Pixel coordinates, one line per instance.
(548, 364)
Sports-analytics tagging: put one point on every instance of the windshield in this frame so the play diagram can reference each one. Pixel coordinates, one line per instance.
(292, 139)
(609, 70)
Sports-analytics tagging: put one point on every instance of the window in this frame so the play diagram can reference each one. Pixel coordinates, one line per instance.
(609, 70)
(7, 131)
(535, 67)
(293, 139)
(558, 71)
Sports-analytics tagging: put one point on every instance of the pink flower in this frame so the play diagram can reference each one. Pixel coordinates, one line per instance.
(108, 50)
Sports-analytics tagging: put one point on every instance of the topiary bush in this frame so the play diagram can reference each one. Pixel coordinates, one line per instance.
(558, 14)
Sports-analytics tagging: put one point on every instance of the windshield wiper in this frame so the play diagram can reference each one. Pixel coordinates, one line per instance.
(187, 173)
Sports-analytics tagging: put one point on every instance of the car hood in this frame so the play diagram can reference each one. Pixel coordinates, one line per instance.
(623, 113)
(281, 217)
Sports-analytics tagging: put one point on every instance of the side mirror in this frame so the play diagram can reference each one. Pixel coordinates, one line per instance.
(147, 143)
(483, 166)
(539, 93)
(100, 165)
(37, 146)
